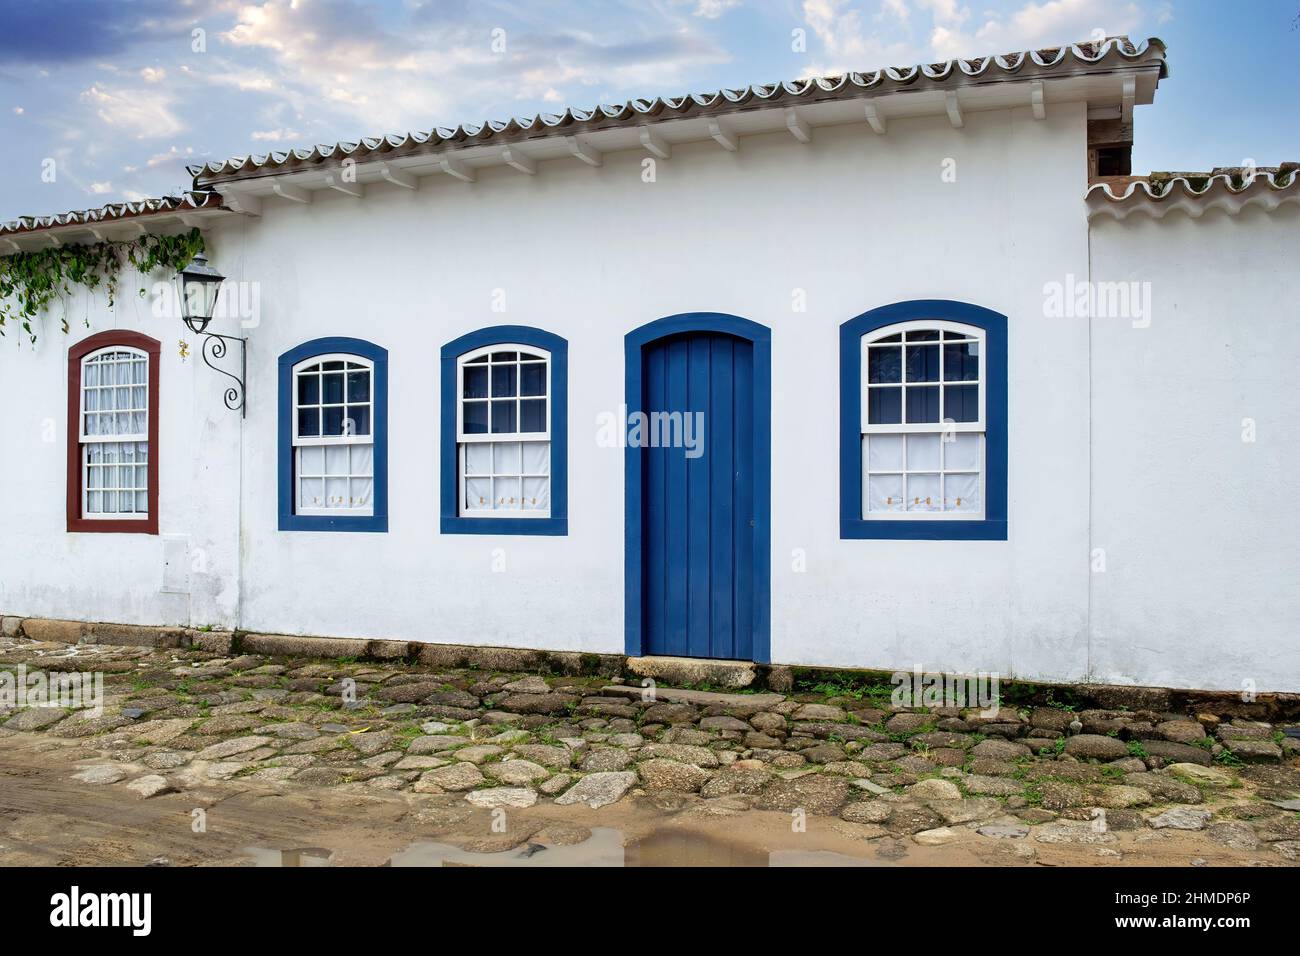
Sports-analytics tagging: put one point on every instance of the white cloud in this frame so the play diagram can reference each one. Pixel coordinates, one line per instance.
(100, 188)
(337, 62)
(276, 135)
(145, 114)
(18, 110)
(712, 9)
(153, 74)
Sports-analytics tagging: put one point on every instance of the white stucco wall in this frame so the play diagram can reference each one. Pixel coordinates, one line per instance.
(1202, 545)
(855, 221)
(46, 571)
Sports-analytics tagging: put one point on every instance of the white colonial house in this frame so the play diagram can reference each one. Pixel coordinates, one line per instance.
(886, 370)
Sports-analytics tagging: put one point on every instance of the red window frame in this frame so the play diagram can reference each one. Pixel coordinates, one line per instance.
(100, 340)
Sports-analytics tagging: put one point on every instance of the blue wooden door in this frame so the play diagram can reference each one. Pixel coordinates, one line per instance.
(697, 503)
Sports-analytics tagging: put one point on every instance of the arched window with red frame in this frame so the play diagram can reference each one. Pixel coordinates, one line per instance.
(113, 433)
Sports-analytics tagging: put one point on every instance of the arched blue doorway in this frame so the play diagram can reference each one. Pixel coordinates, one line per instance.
(698, 488)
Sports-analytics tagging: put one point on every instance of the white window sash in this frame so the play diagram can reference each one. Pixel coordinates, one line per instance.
(492, 438)
(942, 427)
(298, 443)
(968, 334)
(135, 438)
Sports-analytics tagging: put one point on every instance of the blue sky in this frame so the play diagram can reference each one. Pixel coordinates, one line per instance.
(118, 96)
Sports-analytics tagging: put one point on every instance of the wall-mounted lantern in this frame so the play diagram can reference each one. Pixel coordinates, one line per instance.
(200, 284)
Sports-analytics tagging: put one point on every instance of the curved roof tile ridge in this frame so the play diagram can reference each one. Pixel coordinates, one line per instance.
(1191, 185)
(1118, 50)
(114, 211)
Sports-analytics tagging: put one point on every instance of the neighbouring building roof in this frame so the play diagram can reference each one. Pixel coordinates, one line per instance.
(1053, 62)
(1231, 188)
(174, 207)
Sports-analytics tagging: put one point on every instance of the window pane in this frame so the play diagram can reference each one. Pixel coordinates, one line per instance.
(923, 363)
(475, 383)
(923, 404)
(537, 494)
(308, 422)
(528, 356)
(885, 493)
(885, 453)
(336, 492)
(505, 458)
(362, 460)
(333, 424)
(961, 363)
(311, 461)
(923, 335)
(332, 366)
(503, 381)
(884, 365)
(336, 460)
(308, 389)
(504, 356)
(475, 361)
(359, 416)
(333, 386)
(475, 418)
(478, 458)
(884, 406)
(896, 337)
(923, 493)
(506, 492)
(532, 379)
(532, 415)
(359, 386)
(360, 491)
(961, 493)
(503, 417)
(311, 491)
(141, 502)
(923, 452)
(962, 453)
(537, 458)
(94, 503)
(961, 403)
(478, 494)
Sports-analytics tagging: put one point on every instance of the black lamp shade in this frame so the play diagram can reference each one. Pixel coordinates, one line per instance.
(200, 284)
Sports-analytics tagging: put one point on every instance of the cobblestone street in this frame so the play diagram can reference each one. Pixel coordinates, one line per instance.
(491, 762)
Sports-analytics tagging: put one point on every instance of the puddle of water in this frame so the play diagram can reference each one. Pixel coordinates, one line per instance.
(302, 856)
(605, 847)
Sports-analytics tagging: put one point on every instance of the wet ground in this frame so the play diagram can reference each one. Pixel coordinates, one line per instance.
(47, 817)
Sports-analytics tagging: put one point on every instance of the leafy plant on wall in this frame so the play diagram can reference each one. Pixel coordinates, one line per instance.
(31, 281)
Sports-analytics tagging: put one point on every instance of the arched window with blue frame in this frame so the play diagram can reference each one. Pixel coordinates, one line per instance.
(504, 456)
(923, 422)
(333, 436)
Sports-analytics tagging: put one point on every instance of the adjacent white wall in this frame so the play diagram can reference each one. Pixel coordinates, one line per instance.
(855, 221)
(1200, 531)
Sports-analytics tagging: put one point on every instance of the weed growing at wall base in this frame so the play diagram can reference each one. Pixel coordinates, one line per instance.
(917, 688)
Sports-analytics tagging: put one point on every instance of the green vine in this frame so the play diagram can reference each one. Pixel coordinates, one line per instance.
(30, 281)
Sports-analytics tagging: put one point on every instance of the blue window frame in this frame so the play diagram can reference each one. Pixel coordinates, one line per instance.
(504, 461)
(936, 383)
(333, 436)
